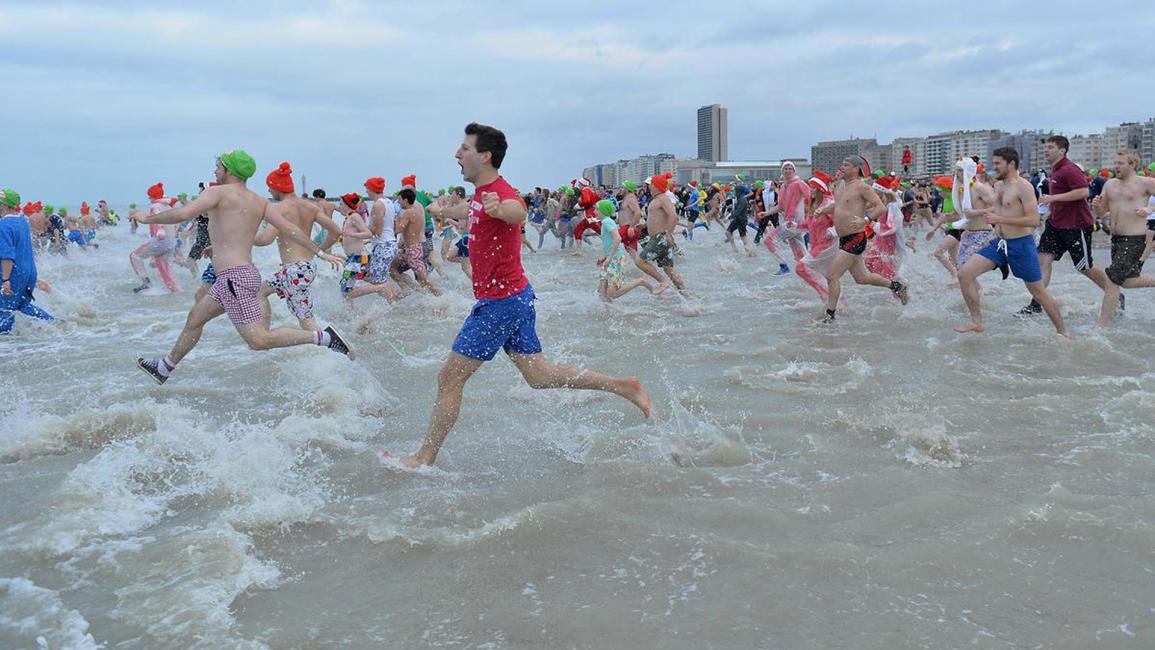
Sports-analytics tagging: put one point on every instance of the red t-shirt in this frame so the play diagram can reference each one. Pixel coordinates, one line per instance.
(1067, 176)
(495, 247)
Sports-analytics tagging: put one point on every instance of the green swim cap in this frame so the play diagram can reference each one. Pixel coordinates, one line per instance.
(238, 163)
(758, 184)
(570, 191)
(131, 206)
(10, 198)
(1151, 167)
(606, 208)
(631, 186)
(48, 209)
(1094, 171)
(182, 195)
(63, 212)
(879, 174)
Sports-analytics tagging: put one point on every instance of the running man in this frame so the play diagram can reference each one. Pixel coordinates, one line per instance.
(1015, 218)
(235, 212)
(504, 316)
(293, 280)
(410, 252)
(659, 247)
(1070, 222)
(383, 245)
(159, 246)
(855, 205)
(1126, 198)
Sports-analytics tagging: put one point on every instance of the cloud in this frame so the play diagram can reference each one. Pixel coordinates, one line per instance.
(109, 96)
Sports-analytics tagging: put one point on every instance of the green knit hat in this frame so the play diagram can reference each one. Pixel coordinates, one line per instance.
(10, 198)
(238, 163)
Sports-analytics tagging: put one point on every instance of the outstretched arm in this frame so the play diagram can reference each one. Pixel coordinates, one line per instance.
(204, 203)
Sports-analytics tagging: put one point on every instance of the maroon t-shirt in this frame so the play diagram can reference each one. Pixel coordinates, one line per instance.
(1066, 176)
(495, 247)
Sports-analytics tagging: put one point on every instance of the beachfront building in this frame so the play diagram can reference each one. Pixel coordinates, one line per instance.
(1087, 151)
(713, 128)
(828, 156)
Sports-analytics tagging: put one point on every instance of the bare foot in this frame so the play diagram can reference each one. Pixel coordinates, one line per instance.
(638, 396)
(1067, 336)
(973, 327)
(662, 286)
(407, 462)
(953, 284)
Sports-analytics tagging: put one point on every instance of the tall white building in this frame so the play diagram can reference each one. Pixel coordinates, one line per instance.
(713, 133)
(1087, 151)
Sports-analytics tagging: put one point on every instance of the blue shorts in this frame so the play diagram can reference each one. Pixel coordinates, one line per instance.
(1020, 253)
(509, 324)
(210, 275)
(463, 246)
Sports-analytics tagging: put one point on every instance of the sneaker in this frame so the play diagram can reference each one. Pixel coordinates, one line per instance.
(824, 319)
(1031, 309)
(900, 291)
(150, 367)
(337, 344)
(144, 285)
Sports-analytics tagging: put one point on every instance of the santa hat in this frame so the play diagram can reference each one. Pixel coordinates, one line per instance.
(821, 182)
(351, 200)
(582, 182)
(156, 192)
(886, 184)
(375, 185)
(281, 179)
(410, 180)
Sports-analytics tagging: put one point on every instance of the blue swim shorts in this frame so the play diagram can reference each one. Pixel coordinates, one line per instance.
(1020, 253)
(509, 324)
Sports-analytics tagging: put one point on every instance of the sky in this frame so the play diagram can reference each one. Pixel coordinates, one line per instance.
(106, 98)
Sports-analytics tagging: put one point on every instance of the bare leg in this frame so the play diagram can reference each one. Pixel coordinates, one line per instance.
(972, 292)
(841, 264)
(539, 373)
(1043, 297)
(647, 268)
(618, 292)
(450, 384)
(205, 310)
(424, 280)
(259, 337)
(947, 253)
(862, 276)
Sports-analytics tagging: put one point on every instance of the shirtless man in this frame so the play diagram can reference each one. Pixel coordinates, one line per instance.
(455, 212)
(383, 245)
(630, 226)
(354, 234)
(235, 212)
(411, 228)
(1015, 217)
(298, 271)
(504, 316)
(659, 247)
(1126, 198)
(855, 205)
(977, 233)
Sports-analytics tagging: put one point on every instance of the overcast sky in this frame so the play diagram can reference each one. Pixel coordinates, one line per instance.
(105, 98)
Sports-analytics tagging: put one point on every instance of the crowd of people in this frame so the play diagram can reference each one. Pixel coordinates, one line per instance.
(858, 221)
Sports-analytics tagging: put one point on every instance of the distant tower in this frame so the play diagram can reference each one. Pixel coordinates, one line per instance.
(712, 133)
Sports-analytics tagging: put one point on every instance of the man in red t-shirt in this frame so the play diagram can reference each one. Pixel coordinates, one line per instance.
(504, 316)
(1069, 223)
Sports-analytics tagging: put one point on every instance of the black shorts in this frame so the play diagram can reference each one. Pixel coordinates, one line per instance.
(854, 243)
(1126, 251)
(1076, 241)
(956, 233)
(738, 225)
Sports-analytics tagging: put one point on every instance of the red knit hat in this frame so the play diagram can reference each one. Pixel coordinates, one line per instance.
(84, 209)
(156, 191)
(351, 200)
(281, 179)
(375, 185)
(661, 182)
(30, 208)
(410, 180)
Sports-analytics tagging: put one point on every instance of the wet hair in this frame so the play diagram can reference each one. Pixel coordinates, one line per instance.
(1060, 141)
(408, 194)
(319, 193)
(459, 191)
(1131, 156)
(1009, 154)
(489, 140)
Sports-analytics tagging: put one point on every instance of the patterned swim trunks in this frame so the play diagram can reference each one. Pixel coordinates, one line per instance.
(413, 256)
(292, 283)
(355, 266)
(236, 291)
(379, 260)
